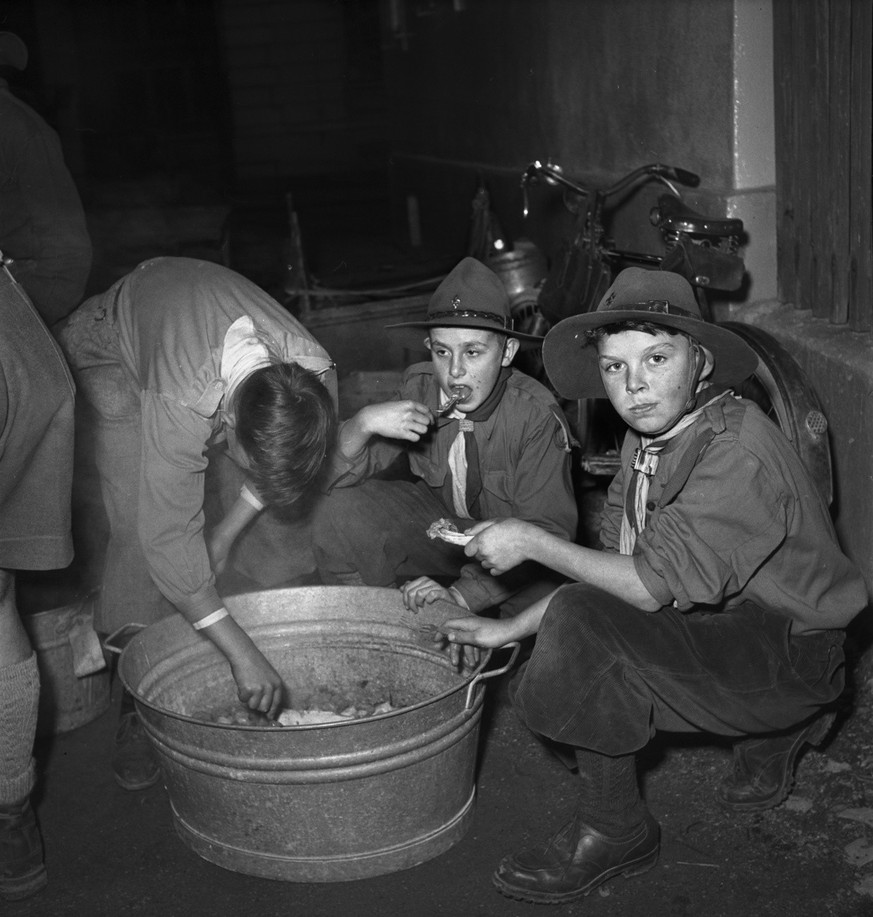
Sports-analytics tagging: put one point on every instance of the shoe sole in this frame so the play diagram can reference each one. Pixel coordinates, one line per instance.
(24, 886)
(814, 738)
(626, 870)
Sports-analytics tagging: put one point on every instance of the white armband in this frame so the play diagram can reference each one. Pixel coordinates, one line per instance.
(210, 619)
(250, 498)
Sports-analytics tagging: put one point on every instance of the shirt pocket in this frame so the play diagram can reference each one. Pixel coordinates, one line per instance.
(498, 492)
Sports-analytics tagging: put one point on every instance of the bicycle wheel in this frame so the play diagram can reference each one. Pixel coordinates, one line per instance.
(782, 390)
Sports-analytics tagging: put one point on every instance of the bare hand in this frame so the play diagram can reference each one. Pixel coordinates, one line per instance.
(424, 591)
(500, 546)
(488, 633)
(408, 420)
(259, 686)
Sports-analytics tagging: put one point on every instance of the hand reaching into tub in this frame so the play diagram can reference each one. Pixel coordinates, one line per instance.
(259, 686)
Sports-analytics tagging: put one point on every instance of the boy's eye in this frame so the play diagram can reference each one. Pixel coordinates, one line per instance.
(611, 367)
(658, 358)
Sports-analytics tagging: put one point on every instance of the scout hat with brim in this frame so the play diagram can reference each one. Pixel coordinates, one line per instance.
(471, 295)
(637, 294)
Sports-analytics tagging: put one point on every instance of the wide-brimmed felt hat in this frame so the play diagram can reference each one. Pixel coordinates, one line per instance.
(13, 51)
(471, 295)
(637, 294)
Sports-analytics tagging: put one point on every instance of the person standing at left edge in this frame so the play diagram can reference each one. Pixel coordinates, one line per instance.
(43, 234)
(36, 471)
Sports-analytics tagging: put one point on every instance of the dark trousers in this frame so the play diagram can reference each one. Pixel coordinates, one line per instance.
(606, 676)
(379, 529)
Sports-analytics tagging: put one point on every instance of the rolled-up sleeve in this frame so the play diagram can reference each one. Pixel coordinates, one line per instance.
(706, 545)
(171, 518)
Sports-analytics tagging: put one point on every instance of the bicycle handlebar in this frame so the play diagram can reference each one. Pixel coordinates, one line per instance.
(683, 176)
(554, 175)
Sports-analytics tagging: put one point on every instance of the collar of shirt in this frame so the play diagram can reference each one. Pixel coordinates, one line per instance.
(244, 351)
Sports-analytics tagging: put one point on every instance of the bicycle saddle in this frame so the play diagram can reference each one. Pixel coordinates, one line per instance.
(673, 214)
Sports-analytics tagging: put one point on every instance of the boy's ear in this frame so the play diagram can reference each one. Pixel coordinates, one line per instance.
(708, 363)
(510, 349)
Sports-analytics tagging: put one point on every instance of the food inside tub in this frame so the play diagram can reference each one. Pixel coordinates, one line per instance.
(312, 708)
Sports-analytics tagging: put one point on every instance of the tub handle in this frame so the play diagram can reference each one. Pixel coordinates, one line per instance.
(493, 673)
(118, 639)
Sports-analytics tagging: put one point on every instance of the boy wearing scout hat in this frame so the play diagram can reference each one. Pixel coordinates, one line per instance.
(481, 440)
(718, 604)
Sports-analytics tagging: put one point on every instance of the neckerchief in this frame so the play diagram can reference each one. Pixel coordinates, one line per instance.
(464, 451)
(645, 463)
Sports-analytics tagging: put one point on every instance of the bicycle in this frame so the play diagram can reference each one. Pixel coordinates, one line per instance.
(703, 250)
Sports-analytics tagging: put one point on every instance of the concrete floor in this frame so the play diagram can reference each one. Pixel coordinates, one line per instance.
(111, 852)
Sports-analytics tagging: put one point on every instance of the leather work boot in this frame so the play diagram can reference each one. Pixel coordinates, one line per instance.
(763, 771)
(22, 869)
(575, 861)
(134, 762)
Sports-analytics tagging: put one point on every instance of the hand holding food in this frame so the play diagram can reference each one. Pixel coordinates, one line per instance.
(502, 545)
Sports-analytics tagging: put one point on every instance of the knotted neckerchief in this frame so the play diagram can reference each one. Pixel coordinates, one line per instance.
(464, 451)
(645, 464)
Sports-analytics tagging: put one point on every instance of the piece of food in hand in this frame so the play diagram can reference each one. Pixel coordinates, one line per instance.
(446, 530)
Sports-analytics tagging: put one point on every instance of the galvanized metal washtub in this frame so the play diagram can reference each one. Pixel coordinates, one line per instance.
(320, 803)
